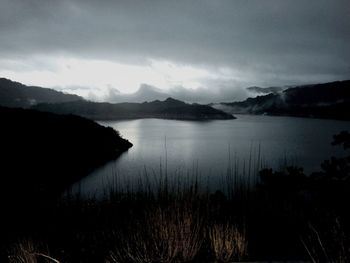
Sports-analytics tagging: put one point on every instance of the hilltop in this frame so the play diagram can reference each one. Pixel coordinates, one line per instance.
(167, 109)
(328, 100)
(16, 95)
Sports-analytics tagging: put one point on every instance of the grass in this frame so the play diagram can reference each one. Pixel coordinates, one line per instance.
(228, 243)
(27, 251)
(259, 214)
(327, 246)
(170, 234)
(178, 224)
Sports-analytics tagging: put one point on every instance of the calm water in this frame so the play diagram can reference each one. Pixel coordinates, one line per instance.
(184, 148)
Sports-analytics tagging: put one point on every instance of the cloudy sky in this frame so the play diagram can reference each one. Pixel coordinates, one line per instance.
(203, 50)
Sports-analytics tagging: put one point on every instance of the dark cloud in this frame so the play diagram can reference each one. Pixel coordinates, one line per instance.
(266, 42)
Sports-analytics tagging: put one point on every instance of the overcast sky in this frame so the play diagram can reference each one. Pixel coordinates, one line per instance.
(205, 49)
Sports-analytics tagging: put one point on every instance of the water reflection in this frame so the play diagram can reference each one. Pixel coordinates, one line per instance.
(183, 148)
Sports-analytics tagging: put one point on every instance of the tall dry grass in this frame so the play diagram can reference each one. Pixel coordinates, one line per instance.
(228, 243)
(174, 233)
(332, 245)
(27, 251)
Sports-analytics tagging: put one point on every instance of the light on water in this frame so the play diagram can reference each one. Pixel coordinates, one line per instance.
(207, 149)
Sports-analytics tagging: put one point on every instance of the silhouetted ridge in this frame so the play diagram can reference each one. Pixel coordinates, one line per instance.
(168, 109)
(265, 90)
(43, 153)
(174, 101)
(15, 94)
(328, 100)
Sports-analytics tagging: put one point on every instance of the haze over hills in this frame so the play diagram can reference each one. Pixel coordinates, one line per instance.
(167, 109)
(203, 95)
(260, 90)
(15, 94)
(144, 93)
(328, 100)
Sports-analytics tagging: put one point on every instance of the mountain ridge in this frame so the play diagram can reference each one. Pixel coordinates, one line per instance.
(326, 100)
(17, 95)
(167, 109)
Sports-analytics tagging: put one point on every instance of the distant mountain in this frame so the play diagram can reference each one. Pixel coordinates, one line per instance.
(202, 95)
(167, 109)
(328, 100)
(268, 90)
(17, 95)
(144, 93)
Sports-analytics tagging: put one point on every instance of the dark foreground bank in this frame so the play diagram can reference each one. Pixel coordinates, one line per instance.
(51, 151)
(42, 154)
(282, 215)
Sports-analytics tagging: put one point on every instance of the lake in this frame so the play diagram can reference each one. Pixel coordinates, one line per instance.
(207, 149)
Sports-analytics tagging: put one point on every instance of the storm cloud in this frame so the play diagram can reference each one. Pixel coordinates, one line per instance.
(242, 42)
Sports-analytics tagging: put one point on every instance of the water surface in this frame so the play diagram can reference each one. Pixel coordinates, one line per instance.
(207, 149)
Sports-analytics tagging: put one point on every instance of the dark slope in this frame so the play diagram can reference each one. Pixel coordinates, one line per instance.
(328, 100)
(43, 153)
(14, 94)
(17, 95)
(264, 91)
(168, 109)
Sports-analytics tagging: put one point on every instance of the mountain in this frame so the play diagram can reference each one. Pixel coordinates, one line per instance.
(144, 93)
(167, 109)
(17, 95)
(327, 100)
(268, 90)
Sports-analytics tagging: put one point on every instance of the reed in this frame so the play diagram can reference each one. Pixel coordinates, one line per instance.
(252, 215)
(27, 251)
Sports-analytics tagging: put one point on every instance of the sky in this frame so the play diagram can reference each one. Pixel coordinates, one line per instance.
(195, 50)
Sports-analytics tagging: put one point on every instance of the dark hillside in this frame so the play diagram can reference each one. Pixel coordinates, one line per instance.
(167, 109)
(16, 95)
(42, 153)
(328, 100)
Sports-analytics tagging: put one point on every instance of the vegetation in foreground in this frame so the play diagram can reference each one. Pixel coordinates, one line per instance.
(286, 215)
(41, 155)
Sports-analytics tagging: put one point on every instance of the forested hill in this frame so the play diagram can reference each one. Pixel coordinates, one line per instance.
(328, 100)
(15, 94)
(167, 109)
(43, 153)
